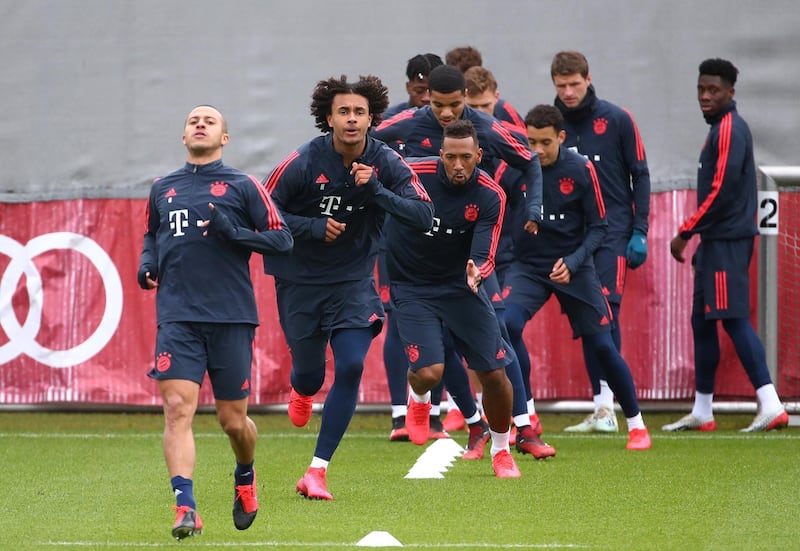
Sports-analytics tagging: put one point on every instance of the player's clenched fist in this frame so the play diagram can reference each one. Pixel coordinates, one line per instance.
(361, 173)
(333, 229)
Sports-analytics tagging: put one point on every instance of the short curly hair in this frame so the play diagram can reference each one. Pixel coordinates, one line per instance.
(721, 68)
(543, 116)
(421, 65)
(369, 86)
(461, 128)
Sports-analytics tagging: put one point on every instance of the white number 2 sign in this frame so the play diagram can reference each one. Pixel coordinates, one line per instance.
(768, 212)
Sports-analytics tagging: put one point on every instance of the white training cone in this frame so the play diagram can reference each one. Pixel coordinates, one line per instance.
(436, 460)
(379, 538)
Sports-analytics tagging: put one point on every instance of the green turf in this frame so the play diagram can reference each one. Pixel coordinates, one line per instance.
(98, 481)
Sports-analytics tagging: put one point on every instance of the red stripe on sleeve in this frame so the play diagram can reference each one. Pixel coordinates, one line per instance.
(637, 138)
(501, 170)
(724, 146)
(401, 116)
(273, 218)
(488, 267)
(516, 122)
(419, 188)
(521, 149)
(601, 206)
(279, 170)
(422, 193)
(425, 167)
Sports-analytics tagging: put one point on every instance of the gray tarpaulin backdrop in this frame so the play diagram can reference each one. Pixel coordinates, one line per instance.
(95, 91)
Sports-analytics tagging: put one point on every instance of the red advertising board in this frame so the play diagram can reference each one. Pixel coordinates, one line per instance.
(76, 328)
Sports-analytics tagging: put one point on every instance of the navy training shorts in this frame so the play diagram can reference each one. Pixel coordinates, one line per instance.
(722, 278)
(421, 311)
(187, 350)
(309, 314)
(582, 299)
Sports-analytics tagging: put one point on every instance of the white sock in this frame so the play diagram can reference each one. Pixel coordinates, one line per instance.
(702, 408)
(605, 398)
(768, 398)
(436, 410)
(522, 421)
(316, 463)
(479, 401)
(635, 422)
(500, 441)
(421, 398)
(531, 407)
(474, 419)
(399, 411)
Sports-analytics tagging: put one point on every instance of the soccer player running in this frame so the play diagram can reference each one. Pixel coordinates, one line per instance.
(608, 136)
(335, 192)
(726, 223)
(422, 132)
(202, 223)
(436, 278)
(558, 260)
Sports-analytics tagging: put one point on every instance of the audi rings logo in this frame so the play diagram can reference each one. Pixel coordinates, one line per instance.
(22, 338)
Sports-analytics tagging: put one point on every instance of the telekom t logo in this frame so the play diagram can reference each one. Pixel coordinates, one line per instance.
(178, 221)
(437, 225)
(329, 204)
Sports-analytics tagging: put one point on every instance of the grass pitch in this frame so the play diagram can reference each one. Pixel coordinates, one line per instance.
(98, 481)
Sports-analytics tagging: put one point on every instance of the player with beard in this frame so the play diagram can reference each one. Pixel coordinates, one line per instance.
(436, 280)
(422, 132)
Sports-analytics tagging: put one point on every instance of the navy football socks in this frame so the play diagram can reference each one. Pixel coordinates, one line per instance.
(184, 495)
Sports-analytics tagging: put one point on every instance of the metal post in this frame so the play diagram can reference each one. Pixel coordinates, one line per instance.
(771, 178)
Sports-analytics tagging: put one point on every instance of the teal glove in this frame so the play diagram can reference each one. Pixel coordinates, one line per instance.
(636, 253)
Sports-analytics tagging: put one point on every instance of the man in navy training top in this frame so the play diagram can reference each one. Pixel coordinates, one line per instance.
(421, 131)
(726, 223)
(558, 260)
(436, 277)
(467, 57)
(202, 223)
(335, 192)
(608, 136)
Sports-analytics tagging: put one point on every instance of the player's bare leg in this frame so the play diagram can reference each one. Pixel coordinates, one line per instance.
(242, 434)
(497, 398)
(179, 399)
